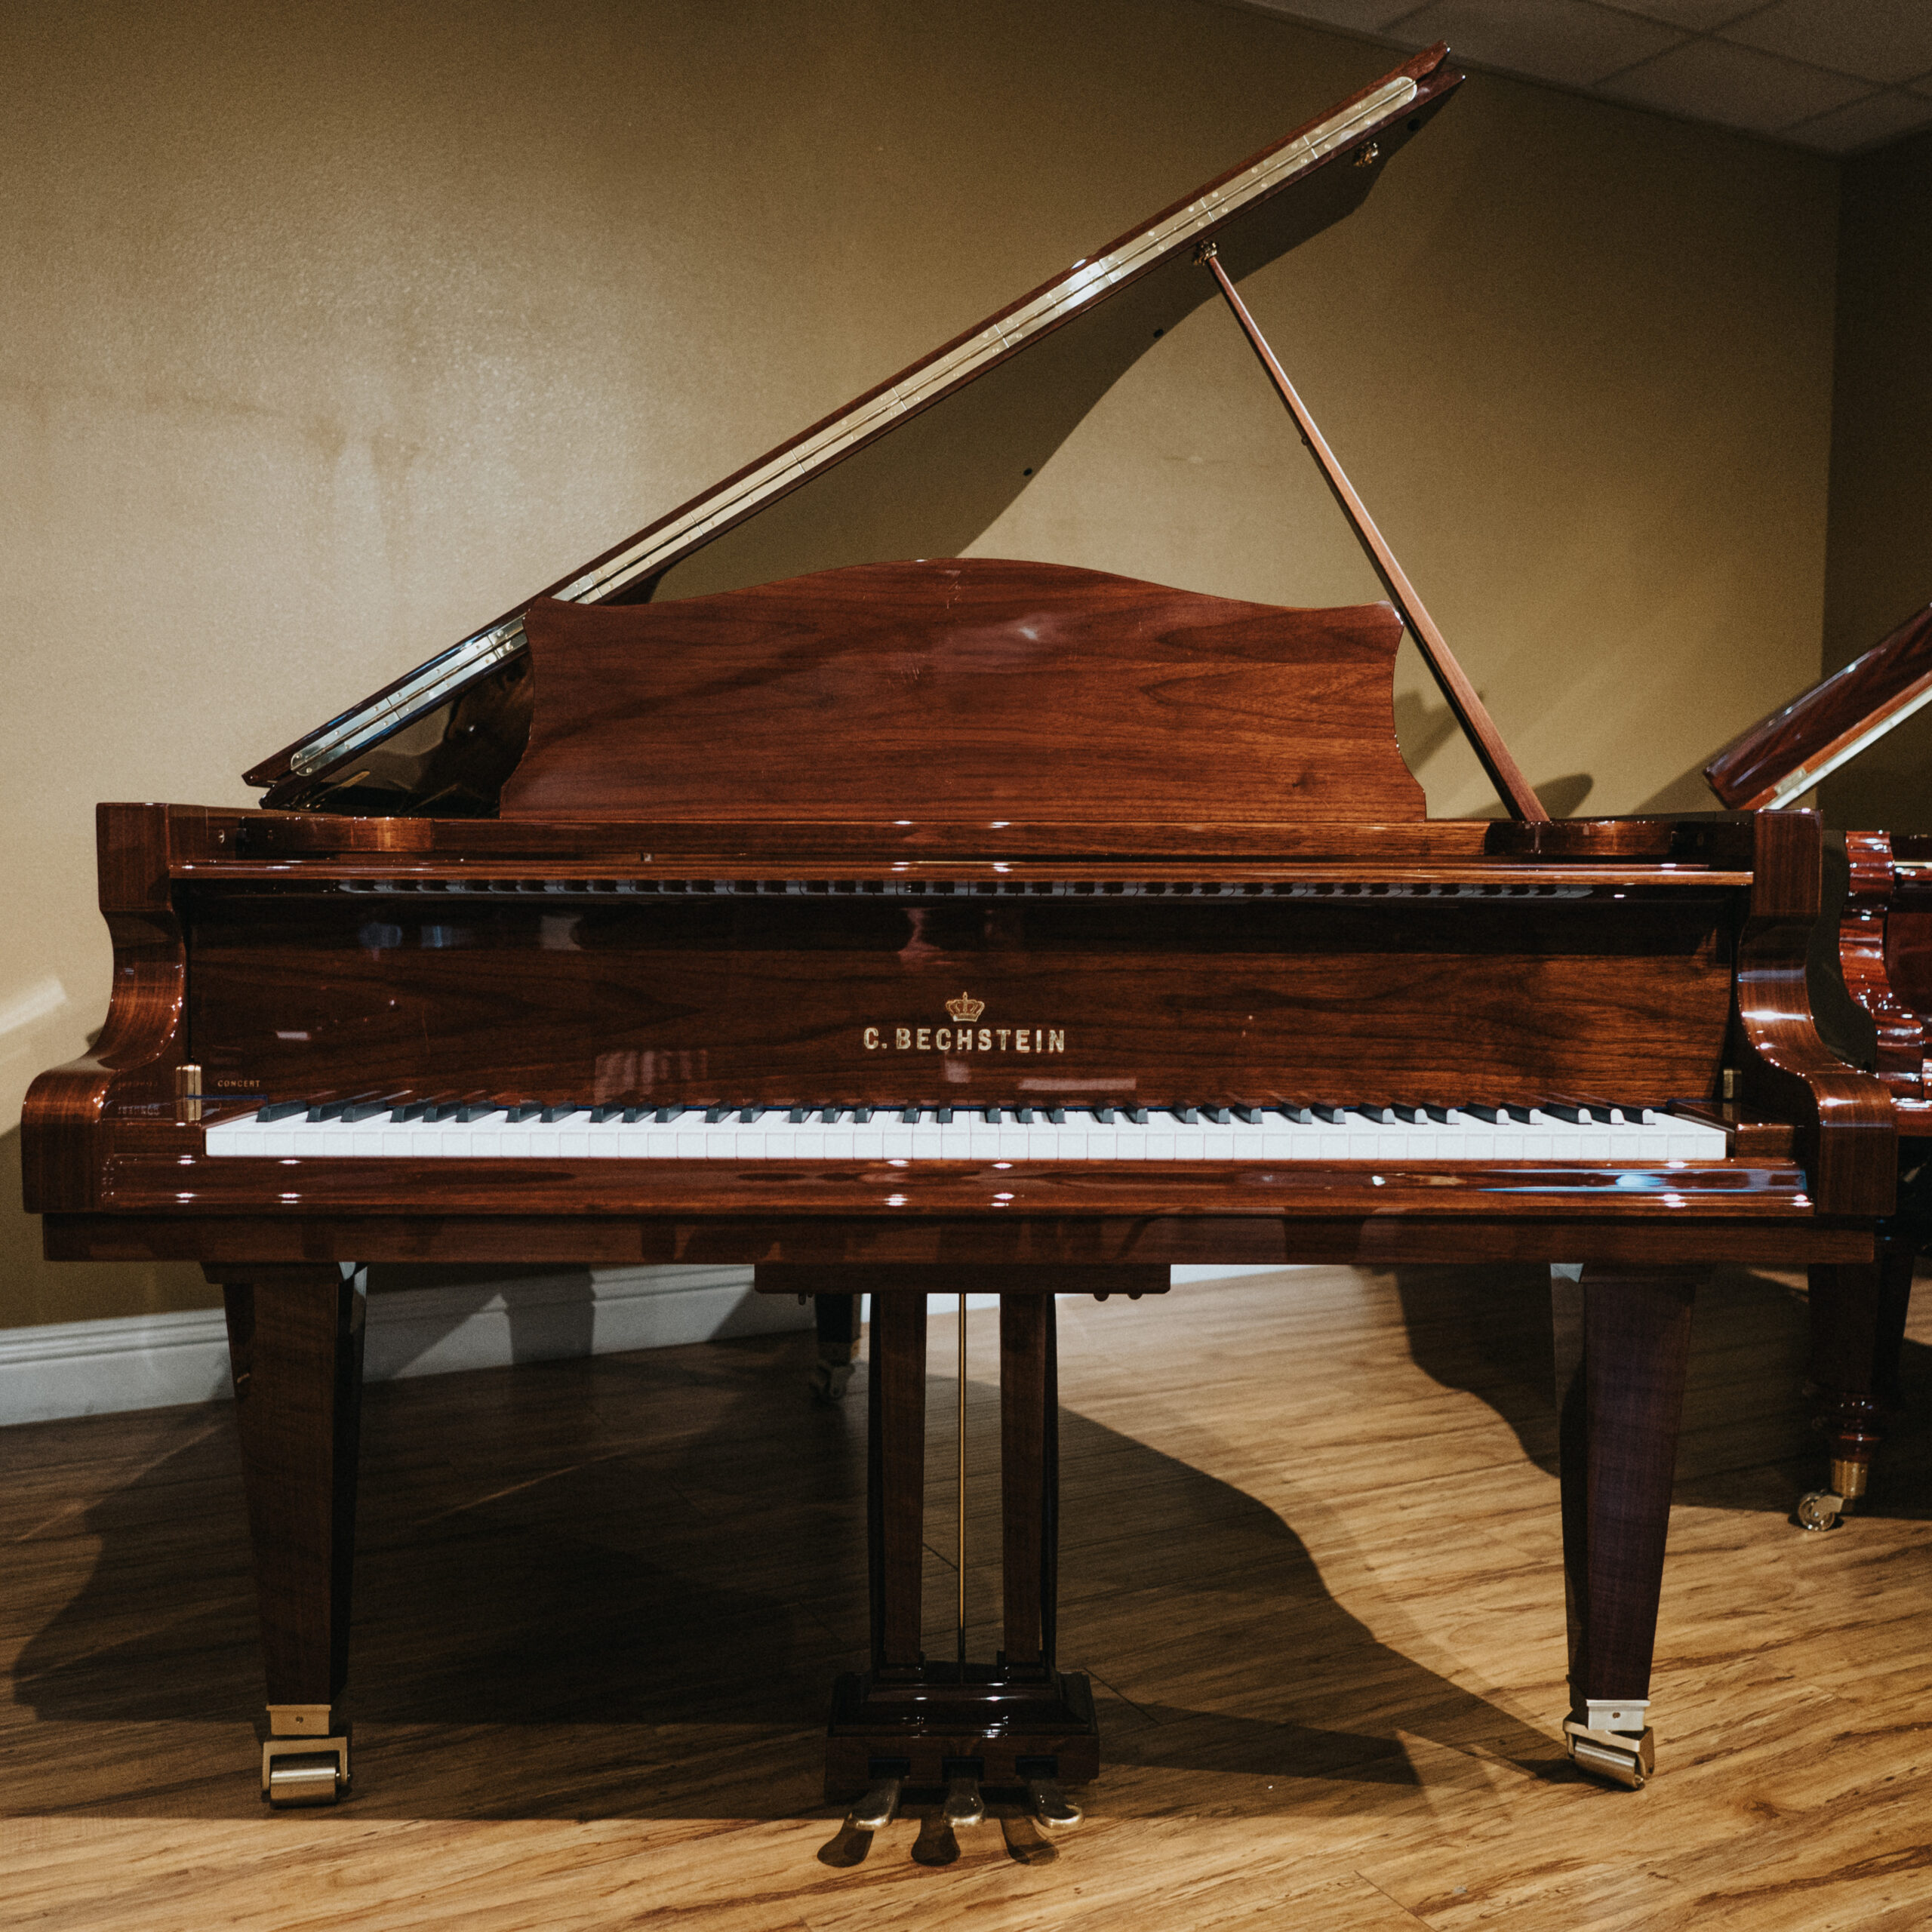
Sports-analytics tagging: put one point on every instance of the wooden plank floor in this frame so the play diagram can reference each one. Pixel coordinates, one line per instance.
(1311, 1559)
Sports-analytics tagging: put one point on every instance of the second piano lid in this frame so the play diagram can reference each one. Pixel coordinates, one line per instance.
(1783, 756)
(980, 414)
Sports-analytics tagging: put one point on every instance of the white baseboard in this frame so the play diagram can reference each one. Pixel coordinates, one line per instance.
(148, 1361)
(86, 1368)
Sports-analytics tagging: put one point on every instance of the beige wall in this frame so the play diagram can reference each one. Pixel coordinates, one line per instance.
(334, 329)
(1879, 555)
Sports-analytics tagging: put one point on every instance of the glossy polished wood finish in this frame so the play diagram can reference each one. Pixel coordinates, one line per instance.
(1622, 1343)
(964, 688)
(1842, 713)
(295, 1348)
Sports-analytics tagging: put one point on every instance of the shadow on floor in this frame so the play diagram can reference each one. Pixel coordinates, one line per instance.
(622, 1585)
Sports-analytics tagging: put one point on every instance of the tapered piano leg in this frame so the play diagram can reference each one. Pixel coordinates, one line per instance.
(295, 1345)
(1858, 1315)
(1622, 1343)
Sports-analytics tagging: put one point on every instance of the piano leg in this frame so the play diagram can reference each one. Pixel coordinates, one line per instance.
(836, 1318)
(1858, 1315)
(1622, 1343)
(295, 1348)
(1017, 1722)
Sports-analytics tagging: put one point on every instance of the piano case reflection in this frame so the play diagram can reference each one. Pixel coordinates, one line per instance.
(945, 924)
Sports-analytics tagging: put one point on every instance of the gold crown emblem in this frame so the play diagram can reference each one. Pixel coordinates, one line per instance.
(965, 1006)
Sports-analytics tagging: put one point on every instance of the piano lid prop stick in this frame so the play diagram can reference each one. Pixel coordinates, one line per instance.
(1513, 788)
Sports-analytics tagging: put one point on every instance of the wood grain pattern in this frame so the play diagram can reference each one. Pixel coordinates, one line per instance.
(1623, 1340)
(295, 1348)
(1333, 1675)
(1834, 713)
(966, 688)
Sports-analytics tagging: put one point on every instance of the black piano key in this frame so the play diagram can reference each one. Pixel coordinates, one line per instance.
(1515, 1116)
(1331, 1116)
(632, 1115)
(524, 1111)
(1138, 1116)
(796, 1115)
(991, 1115)
(1185, 1115)
(1105, 1115)
(1439, 1114)
(281, 1110)
(909, 1117)
(1057, 1116)
(829, 1115)
(1491, 1114)
(1551, 1111)
(943, 1115)
(413, 1111)
(469, 1111)
(1250, 1116)
(750, 1116)
(1220, 1116)
(1024, 1115)
(665, 1116)
(362, 1110)
(603, 1116)
(552, 1115)
(861, 1115)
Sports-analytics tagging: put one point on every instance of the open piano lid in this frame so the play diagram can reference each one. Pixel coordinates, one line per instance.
(983, 411)
(1785, 755)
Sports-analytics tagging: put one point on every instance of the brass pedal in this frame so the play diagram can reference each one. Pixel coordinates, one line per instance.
(964, 1805)
(879, 1806)
(1050, 1807)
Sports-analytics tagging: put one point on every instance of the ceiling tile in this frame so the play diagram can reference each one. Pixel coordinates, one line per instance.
(1737, 87)
(1878, 117)
(1363, 16)
(1879, 40)
(1570, 42)
(1697, 16)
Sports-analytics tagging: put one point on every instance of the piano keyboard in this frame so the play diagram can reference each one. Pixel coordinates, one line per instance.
(482, 1131)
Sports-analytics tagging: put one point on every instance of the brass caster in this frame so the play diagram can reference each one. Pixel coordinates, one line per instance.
(877, 1807)
(830, 1379)
(1051, 1807)
(1616, 1756)
(304, 1771)
(1820, 1510)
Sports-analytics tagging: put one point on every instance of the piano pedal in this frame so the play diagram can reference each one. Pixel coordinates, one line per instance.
(963, 1806)
(1049, 1807)
(879, 1805)
(935, 1844)
(1602, 1742)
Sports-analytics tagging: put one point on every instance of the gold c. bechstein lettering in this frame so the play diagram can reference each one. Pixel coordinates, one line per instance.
(964, 1038)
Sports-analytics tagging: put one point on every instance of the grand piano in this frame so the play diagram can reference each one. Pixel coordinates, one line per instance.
(1880, 954)
(948, 924)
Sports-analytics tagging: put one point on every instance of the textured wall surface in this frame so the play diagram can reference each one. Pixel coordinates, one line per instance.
(1879, 566)
(333, 329)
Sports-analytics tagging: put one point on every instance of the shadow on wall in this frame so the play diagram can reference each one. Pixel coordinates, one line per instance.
(654, 1567)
